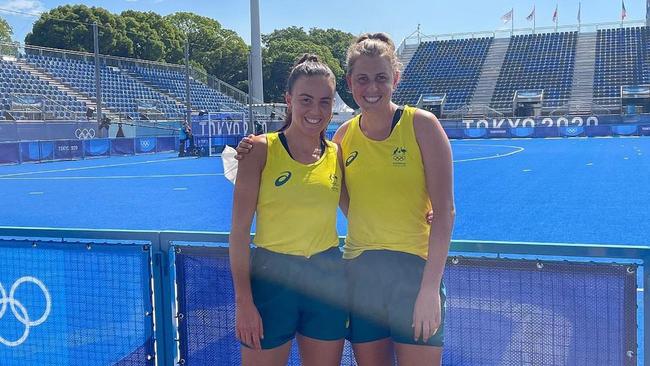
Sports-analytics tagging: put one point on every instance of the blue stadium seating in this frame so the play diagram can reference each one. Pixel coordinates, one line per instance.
(202, 97)
(622, 58)
(17, 85)
(120, 93)
(537, 61)
(452, 67)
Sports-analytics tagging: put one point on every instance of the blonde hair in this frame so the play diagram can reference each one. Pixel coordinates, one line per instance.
(372, 44)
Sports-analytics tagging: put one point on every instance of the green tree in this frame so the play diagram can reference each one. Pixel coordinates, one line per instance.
(338, 42)
(69, 27)
(154, 37)
(5, 31)
(220, 51)
(283, 46)
(295, 33)
(280, 55)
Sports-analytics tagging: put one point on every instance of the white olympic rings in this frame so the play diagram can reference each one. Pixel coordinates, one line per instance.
(19, 311)
(84, 133)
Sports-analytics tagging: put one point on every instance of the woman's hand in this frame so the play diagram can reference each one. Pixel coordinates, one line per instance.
(248, 325)
(244, 147)
(426, 315)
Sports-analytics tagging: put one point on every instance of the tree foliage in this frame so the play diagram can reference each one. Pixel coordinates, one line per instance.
(5, 31)
(154, 37)
(220, 51)
(284, 46)
(69, 27)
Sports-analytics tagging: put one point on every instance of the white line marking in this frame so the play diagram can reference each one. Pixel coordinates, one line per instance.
(92, 167)
(118, 177)
(590, 164)
(520, 149)
(527, 170)
(180, 189)
(35, 193)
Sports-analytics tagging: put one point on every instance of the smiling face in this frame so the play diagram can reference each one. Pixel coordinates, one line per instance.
(310, 101)
(372, 82)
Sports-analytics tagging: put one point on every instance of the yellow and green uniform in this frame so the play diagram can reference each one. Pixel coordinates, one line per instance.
(297, 272)
(387, 188)
(388, 236)
(296, 205)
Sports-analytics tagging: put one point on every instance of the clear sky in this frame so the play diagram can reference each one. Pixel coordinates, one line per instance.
(397, 17)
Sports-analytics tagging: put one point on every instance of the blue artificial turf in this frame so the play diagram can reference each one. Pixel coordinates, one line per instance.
(545, 190)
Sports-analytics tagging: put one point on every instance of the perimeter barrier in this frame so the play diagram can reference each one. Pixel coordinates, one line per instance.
(111, 297)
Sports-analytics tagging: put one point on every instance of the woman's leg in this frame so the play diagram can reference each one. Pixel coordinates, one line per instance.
(375, 353)
(278, 356)
(314, 352)
(415, 355)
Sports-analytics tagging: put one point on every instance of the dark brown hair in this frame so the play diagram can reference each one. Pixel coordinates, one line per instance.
(307, 65)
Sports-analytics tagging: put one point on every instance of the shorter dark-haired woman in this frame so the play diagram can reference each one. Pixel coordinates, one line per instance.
(293, 282)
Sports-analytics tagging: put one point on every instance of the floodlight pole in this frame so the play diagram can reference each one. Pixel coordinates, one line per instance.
(251, 123)
(257, 91)
(188, 103)
(98, 85)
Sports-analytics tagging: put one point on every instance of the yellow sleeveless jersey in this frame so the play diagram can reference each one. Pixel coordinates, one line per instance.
(296, 204)
(388, 193)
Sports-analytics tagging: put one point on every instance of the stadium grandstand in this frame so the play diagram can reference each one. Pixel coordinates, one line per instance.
(577, 72)
(126, 257)
(570, 72)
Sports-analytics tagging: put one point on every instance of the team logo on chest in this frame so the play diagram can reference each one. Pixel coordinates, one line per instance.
(334, 180)
(399, 156)
(283, 178)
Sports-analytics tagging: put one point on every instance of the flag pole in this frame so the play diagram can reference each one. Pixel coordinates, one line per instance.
(512, 21)
(534, 18)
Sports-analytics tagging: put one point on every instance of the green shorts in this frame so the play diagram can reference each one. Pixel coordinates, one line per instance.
(383, 286)
(298, 294)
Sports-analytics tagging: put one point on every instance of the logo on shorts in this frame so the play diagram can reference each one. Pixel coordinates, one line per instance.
(351, 157)
(283, 178)
(399, 156)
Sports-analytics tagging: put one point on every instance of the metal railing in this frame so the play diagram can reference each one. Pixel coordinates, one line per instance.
(417, 37)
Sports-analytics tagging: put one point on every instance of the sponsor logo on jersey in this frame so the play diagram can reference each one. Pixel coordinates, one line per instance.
(283, 178)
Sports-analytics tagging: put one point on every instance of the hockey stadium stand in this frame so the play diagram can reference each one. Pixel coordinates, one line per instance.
(622, 58)
(27, 94)
(452, 67)
(120, 93)
(173, 83)
(537, 61)
(577, 72)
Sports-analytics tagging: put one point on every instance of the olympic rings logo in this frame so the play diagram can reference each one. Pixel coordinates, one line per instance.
(19, 311)
(84, 133)
(144, 143)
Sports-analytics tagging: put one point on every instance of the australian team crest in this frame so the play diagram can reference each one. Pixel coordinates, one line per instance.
(399, 156)
(334, 180)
